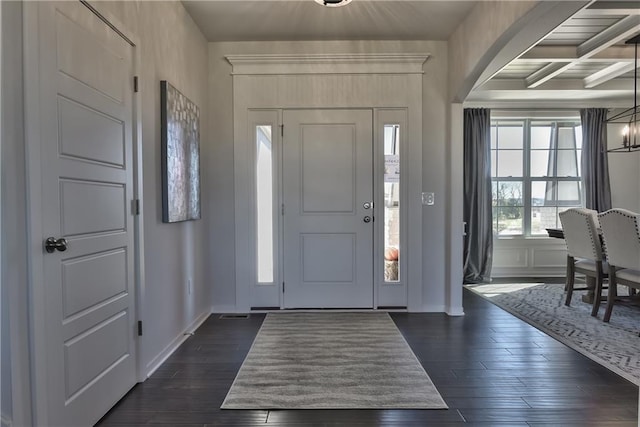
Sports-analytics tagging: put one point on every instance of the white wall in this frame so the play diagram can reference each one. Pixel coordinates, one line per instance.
(171, 48)
(435, 110)
(624, 173)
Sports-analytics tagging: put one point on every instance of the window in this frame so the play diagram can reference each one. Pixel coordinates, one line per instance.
(264, 199)
(391, 202)
(535, 170)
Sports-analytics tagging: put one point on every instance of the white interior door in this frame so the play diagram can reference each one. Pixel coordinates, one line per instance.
(328, 229)
(86, 130)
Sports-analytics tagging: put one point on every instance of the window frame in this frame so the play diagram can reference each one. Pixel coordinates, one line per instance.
(526, 179)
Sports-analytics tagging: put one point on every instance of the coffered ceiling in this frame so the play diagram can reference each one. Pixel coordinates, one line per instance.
(584, 59)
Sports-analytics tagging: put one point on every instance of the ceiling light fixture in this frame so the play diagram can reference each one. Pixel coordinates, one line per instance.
(333, 3)
(631, 117)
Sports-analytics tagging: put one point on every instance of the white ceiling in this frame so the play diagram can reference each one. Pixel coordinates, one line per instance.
(267, 20)
(583, 60)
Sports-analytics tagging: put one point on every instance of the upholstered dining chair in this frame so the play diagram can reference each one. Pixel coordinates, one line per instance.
(584, 251)
(621, 234)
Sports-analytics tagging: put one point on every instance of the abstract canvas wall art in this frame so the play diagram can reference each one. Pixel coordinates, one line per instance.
(180, 133)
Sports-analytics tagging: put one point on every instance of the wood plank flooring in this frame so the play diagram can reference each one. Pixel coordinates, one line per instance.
(491, 368)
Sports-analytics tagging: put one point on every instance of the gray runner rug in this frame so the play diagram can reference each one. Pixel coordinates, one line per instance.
(614, 345)
(331, 361)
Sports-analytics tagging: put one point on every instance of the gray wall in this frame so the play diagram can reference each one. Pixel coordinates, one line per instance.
(171, 48)
(15, 364)
(435, 110)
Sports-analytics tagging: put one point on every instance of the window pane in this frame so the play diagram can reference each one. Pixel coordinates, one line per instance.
(391, 204)
(569, 193)
(541, 137)
(264, 190)
(494, 162)
(494, 142)
(543, 218)
(540, 165)
(578, 131)
(509, 194)
(566, 138)
(494, 193)
(510, 163)
(542, 193)
(510, 137)
(509, 220)
(579, 156)
(567, 163)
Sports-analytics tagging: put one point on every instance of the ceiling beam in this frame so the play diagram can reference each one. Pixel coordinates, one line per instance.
(618, 32)
(570, 53)
(546, 73)
(611, 8)
(622, 85)
(611, 72)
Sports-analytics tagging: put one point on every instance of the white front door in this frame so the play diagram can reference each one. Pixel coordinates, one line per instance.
(328, 228)
(86, 130)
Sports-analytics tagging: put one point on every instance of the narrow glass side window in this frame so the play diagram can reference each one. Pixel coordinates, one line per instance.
(391, 203)
(264, 198)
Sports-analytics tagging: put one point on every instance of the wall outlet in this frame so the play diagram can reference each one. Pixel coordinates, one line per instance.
(429, 198)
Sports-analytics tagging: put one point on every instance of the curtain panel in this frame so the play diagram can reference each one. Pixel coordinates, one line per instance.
(478, 241)
(595, 164)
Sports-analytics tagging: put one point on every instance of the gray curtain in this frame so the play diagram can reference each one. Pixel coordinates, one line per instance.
(595, 166)
(478, 243)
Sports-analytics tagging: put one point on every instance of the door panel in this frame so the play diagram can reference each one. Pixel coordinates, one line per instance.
(86, 126)
(327, 176)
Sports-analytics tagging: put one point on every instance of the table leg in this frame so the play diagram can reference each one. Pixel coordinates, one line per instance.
(591, 290)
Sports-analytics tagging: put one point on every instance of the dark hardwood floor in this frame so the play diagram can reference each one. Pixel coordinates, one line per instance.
(491, 368)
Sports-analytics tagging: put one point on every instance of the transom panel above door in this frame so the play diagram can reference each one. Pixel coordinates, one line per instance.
(328, 215)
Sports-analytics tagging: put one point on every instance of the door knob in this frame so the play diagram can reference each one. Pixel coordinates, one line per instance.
(366, 205)
(367, 219)
(51, 244)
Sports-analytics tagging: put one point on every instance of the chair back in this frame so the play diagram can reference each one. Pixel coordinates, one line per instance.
(621, 233)
(580, 227)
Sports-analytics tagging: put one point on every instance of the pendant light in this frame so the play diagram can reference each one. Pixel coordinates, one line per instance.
(630, 118)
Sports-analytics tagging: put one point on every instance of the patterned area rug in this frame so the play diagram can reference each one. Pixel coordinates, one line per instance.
(615, 345)
(331, 361)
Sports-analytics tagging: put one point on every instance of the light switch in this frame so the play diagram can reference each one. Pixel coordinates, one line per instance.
(428, 199)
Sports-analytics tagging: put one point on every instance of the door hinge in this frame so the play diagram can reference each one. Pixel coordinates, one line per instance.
(281, 130)
(135, 207)
(283, 209)
(135, 84)
(139, 328)
(283, 287)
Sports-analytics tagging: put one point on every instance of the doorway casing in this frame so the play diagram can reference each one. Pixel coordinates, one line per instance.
(390, 85)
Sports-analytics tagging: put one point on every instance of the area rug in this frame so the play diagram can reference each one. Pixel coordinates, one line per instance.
(312, 360)
(614, 345)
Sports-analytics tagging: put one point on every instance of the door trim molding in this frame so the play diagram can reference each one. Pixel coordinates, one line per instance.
(326, 81)
(336, 63)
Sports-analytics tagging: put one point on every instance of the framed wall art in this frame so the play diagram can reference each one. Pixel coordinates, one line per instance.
(180, 133)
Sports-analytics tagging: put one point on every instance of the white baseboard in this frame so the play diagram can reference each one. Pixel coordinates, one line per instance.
(5, 421)
(157, 361)
(433, 308)
(220, 309)
(455, 311)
